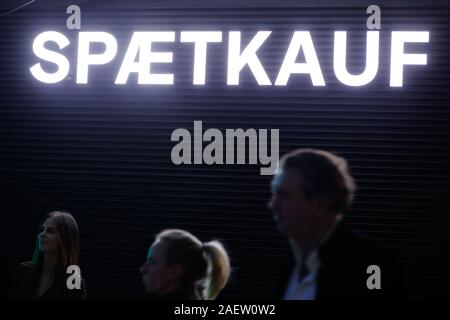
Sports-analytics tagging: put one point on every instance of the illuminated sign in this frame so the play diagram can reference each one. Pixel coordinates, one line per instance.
(139, 57)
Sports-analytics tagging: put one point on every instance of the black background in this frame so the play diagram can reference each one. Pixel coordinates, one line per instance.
(102, 152)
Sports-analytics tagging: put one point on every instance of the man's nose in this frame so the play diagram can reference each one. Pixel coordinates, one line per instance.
(273, 203)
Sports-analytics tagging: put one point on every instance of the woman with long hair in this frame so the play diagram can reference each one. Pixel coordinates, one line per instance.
(180, 266)
(46, 276)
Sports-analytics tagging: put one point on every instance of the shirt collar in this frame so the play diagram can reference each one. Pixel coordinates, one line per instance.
(312, 260)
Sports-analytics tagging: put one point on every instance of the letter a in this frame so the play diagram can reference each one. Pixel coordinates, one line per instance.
(74, 281)
(374, 21)
(374, 281)
(74, 20)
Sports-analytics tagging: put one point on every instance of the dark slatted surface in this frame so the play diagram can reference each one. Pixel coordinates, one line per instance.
(103, 151)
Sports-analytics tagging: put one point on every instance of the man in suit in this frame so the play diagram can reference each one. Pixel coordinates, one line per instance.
(310, 194)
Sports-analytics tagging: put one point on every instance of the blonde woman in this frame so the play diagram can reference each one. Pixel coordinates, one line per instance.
(179, 266)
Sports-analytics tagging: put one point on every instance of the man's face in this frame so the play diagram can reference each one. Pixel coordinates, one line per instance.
(295, 215)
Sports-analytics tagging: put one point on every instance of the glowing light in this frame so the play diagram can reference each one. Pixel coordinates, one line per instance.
(340, 59)
(237, 60)
(300, 39)
(139, 57)
(398, 56)
(85, 58)
(200, 40)
(45, 54)
(141, 43)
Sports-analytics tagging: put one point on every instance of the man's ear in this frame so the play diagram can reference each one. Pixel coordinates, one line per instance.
(321, 206)
(175, 271)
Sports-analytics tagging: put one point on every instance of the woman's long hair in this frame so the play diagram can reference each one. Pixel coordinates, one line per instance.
(68, 247)
(206, 266)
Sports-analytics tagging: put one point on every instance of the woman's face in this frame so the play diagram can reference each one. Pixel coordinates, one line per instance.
(48, 236)
(157, 276)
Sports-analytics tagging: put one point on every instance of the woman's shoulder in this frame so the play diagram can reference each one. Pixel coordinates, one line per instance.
(24, 267)
(23, 271)
(21, 282)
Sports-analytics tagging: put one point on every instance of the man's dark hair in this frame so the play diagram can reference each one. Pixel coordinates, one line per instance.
(323, 174)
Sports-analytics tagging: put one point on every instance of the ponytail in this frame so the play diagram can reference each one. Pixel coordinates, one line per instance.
(219, 268)
(206, 266)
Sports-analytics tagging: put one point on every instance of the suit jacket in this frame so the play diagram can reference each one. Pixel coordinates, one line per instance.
(342, 275)
(22, 287)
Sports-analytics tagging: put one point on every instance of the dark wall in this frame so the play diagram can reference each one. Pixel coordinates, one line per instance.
(102, 151)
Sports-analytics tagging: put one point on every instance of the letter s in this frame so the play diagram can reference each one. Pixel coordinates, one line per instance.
(45, 54)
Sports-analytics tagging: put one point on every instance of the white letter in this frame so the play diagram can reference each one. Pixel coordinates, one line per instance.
(74, 281)
(200, 39)
(374, 21)
(399, 58)
(241, 136)
(85, 58)
(198, 142)
(216, 147)
(237, 60)
(340, 57)
(141, 43)
(184, 145)
(60, 60)
(264, 158)
(311, 66)
(374, 281)
(74, 21)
